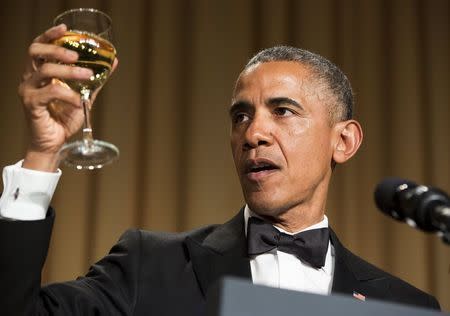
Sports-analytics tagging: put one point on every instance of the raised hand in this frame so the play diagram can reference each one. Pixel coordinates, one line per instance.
(53, 111)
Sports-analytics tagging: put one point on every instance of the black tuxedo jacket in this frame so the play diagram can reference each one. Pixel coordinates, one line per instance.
(149, 273)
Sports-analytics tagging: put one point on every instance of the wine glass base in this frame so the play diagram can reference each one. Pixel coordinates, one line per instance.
(80, 155)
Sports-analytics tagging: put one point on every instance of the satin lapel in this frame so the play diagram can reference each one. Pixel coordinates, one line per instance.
(344, 281)
(221, 253)
(352, 274)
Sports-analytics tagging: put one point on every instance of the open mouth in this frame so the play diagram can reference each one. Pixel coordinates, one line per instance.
(259, 166)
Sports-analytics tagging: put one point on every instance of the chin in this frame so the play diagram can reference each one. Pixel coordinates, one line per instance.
(272, 203)
(265, 206)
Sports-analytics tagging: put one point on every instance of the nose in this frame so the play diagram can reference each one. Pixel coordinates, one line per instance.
(258, 133)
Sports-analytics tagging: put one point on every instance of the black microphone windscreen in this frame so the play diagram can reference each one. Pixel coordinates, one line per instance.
(385, 194)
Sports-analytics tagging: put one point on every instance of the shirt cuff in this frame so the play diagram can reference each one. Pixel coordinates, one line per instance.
(27, 193)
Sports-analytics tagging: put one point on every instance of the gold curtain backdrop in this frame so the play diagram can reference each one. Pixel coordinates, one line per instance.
(166, 109)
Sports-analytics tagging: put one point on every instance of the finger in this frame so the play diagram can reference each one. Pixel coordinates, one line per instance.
(39, 53)
(114, 65)
(52, 52)
(51, 34)
(49, 71)
(56, 90)
(64, 112)
(94, 95)
(52, 70)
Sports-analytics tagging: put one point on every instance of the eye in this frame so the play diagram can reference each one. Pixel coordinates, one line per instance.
(281, 111)
(240, 117)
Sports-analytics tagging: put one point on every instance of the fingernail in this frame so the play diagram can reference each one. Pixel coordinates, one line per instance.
(57, 27)
(71, 54)
(85, 71)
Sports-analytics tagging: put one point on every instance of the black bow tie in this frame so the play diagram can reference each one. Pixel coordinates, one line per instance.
(310, 246)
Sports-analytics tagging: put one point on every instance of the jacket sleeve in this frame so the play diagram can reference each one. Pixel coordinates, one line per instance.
(109, 288)
(433, 303)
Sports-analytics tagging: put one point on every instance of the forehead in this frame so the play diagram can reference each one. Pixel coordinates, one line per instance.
(273, 76)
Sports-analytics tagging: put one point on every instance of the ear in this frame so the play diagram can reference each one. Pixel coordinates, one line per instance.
(349, 136)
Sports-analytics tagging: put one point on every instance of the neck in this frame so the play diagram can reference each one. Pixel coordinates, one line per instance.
(296, 219)
(300, 215)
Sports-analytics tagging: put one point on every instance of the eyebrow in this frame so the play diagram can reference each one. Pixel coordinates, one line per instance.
(239, 106)
(284, 100)
(272, 102)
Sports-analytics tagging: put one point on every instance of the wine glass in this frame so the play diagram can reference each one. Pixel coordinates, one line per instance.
(89, 34)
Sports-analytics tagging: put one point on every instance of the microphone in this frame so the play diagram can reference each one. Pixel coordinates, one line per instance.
(420, 206)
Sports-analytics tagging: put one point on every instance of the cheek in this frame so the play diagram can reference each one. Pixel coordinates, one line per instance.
(307, 146)
(235, 145)
(299, 127)
(296, 137)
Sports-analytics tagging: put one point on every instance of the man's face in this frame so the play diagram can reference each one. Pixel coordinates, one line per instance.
(281, 137)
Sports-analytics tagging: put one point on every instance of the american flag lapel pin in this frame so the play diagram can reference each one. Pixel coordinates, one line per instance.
(359, 296)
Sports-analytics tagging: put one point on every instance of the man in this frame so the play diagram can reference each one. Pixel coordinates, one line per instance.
(291, 117)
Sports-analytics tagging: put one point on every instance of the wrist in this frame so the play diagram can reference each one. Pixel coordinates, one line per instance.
(47, 162)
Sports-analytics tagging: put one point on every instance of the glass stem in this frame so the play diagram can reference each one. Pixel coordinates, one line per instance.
(87, 128)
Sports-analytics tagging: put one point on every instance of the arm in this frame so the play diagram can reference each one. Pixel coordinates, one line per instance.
(24, 246)
(110, 287)
(26, 193)
(53, 114)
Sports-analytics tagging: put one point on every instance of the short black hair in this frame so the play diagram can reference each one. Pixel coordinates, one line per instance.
(324, 69)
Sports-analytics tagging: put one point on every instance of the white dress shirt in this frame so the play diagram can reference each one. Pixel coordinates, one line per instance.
(27, 195)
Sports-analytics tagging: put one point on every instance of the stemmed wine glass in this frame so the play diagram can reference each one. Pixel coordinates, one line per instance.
(89, 34)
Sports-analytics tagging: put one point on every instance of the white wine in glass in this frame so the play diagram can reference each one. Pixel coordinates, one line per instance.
(89, 34)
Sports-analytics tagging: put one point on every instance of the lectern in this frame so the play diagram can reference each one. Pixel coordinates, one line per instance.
(235, 297)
